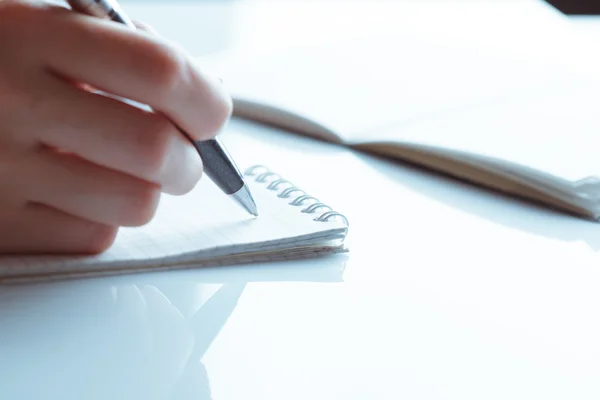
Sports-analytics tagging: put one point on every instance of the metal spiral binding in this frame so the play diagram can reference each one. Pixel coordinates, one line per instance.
(262, 174)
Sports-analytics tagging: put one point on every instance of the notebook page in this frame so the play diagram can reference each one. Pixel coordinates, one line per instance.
(355, 86)
(203, 224)
(557, 133)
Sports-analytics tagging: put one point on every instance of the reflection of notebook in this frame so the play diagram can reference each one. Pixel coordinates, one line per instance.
(520, 126)
(203, 228)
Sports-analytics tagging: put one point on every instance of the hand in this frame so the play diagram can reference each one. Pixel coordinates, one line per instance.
(76, 163)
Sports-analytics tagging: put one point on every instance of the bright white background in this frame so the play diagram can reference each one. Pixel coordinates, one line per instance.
(449, 292)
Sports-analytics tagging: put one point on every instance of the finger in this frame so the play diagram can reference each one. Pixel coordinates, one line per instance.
(119, 136)
(41, 229)
(137, 66)
(85, 190)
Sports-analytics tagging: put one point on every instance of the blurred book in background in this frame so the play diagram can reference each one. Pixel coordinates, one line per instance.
(577, 7)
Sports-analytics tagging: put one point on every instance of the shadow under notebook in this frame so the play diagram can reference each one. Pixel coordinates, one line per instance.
(493, 206)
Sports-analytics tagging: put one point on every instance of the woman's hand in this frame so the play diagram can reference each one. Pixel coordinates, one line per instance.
(75, 164)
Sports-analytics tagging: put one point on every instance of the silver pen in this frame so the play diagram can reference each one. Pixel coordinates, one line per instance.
(217, 163)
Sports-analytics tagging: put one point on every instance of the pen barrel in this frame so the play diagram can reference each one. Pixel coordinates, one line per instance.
(217, 164)
(214, 158)
(104, 9)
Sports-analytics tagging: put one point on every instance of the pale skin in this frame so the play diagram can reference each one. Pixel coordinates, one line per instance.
(76, 165)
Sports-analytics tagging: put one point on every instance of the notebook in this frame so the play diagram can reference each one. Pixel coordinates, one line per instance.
(519, 125)
(204, 228)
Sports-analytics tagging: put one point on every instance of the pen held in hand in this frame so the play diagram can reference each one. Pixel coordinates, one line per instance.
(218, 165)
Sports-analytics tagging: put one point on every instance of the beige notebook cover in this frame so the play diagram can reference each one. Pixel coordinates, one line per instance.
(520, 126)
(204, 228)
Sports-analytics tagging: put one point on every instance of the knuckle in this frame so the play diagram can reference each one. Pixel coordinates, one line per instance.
(141, 205)
(166, 67)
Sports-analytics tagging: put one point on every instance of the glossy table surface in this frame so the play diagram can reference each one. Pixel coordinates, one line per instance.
(448, 292)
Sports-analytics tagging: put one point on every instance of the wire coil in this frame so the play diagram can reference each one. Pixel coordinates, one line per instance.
(298, 197)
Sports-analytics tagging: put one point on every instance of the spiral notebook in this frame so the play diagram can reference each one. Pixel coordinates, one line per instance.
(203, 228)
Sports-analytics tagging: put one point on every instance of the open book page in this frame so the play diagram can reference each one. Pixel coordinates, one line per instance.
(543, 148)
(419, 93)
(557, 133)
(400, 61)
(201, 228)
(432, 98)
(354, 86)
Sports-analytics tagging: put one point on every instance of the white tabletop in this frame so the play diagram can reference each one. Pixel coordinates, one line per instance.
(448, 292)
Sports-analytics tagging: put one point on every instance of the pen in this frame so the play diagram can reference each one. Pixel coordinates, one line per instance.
(218, 165)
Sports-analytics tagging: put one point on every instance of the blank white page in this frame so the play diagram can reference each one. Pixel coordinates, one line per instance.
(557, 133)
(356, 86)
(202, 225)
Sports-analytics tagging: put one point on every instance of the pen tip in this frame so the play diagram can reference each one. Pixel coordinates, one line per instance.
(252, 209)
(244, 198)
